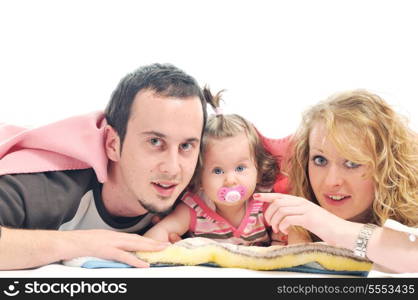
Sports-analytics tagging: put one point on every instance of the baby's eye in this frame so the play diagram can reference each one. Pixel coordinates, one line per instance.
(240, 168)
(351, 165)
(217, 171)
(319, 160)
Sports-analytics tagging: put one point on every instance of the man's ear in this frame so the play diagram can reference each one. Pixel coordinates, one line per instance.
(112, 143)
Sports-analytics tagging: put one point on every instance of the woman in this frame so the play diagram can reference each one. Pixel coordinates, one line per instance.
(354, 162)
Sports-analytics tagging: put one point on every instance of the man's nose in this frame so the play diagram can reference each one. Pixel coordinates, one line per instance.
(171, 163)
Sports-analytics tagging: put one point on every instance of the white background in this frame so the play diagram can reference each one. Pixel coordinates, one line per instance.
(275, 58)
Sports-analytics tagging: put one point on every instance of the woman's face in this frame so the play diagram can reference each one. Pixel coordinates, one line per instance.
(340, 185)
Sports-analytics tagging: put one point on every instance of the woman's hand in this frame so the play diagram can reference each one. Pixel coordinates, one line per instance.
(285, 211)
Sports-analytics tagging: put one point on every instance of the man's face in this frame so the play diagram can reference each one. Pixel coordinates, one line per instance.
(160, 149)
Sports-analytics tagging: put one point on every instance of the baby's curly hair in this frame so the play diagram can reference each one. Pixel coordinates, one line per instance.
(221, 126)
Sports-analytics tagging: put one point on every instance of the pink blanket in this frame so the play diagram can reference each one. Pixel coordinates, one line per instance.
(78, 143)
(73, 143)
(281, 149)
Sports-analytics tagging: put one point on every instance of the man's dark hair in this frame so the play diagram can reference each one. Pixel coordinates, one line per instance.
(165, 79)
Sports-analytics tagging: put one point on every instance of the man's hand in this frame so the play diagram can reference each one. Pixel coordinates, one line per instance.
(23, 248)
(111, 245)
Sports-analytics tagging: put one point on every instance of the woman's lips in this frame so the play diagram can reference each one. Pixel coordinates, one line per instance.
(338, 199)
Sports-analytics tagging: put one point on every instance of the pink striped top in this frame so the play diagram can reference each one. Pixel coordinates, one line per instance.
(204, 222)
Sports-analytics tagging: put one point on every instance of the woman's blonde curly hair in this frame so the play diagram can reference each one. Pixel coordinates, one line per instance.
(365, 130)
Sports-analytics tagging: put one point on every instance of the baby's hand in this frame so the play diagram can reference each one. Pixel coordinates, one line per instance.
(172, 237)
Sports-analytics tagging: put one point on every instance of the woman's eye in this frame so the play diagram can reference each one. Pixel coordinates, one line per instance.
(351, 165)
(240, 168)
(217, 171)
(319, 160)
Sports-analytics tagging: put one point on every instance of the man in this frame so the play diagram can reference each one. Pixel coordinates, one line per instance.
(152, 138)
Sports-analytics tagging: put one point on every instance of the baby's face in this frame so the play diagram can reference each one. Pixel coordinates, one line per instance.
(229, 163)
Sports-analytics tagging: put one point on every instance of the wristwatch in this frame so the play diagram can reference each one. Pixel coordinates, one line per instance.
(363, 238)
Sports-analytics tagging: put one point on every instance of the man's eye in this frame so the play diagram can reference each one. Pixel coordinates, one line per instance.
(155, 142)
(186, 146)
(319, 160)
(240, 168)
(351, 165)
(217, 171)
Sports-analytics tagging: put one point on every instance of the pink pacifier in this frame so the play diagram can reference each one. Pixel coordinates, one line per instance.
(231, 195)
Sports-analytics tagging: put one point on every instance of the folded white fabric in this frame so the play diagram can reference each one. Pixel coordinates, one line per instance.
(378, 270)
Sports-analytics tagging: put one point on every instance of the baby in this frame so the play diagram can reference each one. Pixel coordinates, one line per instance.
(220, 205)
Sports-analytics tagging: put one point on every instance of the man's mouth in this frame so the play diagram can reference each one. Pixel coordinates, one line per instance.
(164, 185)
(164, 188)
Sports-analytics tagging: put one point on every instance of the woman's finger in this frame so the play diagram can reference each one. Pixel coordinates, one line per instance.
(267, 197)
(270, 211)
(299, 203)
(288, 221)
(282, 213)
(283, 199)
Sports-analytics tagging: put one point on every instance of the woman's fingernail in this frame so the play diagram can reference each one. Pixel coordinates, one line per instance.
(256, 195)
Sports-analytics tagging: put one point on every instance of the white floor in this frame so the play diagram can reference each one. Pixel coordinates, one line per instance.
(61, 271)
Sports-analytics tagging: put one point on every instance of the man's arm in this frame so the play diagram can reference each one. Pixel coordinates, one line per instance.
(45, 201)
(24, 248)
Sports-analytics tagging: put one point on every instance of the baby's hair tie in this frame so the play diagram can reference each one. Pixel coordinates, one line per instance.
(218, 111)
